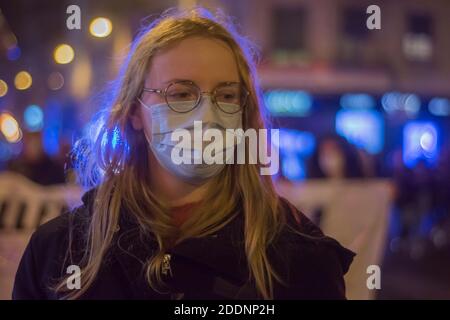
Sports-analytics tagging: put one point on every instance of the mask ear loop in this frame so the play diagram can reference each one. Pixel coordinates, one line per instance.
(143, 129)
(142, 102)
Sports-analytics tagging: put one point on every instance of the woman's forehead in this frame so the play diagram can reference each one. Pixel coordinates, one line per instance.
(203, 60)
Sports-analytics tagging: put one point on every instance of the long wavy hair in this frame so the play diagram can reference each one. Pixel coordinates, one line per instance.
(115, 159)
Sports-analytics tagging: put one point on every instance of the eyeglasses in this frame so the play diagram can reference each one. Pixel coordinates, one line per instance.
(184, 96)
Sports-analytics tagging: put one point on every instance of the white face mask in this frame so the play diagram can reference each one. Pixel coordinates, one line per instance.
(164, 121)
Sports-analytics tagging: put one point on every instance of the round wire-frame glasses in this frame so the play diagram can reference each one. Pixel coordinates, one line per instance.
(229, 97)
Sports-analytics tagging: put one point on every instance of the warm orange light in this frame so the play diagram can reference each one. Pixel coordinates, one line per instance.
(3, 88)
(23, 80)
(63, 54)
(10, 128)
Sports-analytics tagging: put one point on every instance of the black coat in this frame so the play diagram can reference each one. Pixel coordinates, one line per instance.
(212, 267)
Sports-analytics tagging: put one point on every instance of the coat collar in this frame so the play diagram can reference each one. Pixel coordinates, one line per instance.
(228, 262)
(132, 249)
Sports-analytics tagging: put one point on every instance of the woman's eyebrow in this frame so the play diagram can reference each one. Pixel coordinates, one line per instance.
(179, 79)
(226, 82)
(175, 79)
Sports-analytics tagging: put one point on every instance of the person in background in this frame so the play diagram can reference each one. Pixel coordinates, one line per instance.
(415, 204)
(35, 164)
(335, 158)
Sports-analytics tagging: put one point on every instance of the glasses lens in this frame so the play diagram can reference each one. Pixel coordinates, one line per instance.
(231, 98)
(182, 97)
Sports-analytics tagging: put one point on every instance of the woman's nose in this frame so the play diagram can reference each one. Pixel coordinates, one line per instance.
(207, 94)
(207, 109)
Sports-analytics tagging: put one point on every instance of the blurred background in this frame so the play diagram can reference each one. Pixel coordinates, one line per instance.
(364, 118)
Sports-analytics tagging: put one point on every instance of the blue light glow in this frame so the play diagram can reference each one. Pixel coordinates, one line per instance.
(285, 103)
(5, 151)
(293, 168)
(111, 138)
(296, 142)
(112, 142)
(406, 102)
(51, 140)
(116, 137)
(357, 101)
(34, 118)
(420, 142)
(51, 134)
(411, 104)
(294, 147)
(13, 53)
(364, 128)
(439, 107)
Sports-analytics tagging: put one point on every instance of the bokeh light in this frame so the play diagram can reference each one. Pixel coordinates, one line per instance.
(3, 88)
(80, 79)
(420, 142)
(357, 101)
(23, 80)
(100, 27)
(63, 54)
(10, 128)
(55, 81)
(34, 118)
(363, 128)
(13, 53)
(289, 103)
(408, 103)
(439, 107)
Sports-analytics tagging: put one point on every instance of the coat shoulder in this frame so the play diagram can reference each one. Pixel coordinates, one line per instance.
(43, 259)
(58, 228)
(301, 231)
(314, 263)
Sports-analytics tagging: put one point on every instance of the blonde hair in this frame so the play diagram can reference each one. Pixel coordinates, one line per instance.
(114, 161)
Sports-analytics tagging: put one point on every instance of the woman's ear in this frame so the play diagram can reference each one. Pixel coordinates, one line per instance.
(136, 119)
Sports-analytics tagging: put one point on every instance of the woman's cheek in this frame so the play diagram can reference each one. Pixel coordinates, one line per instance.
(146, 120)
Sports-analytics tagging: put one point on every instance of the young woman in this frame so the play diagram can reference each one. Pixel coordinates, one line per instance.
(155, 229)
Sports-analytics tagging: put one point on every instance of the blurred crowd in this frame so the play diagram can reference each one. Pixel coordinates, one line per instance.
(420, 216)
(35, 164)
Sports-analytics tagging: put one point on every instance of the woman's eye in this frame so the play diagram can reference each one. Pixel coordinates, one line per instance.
(180, 95)
(228, 96)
